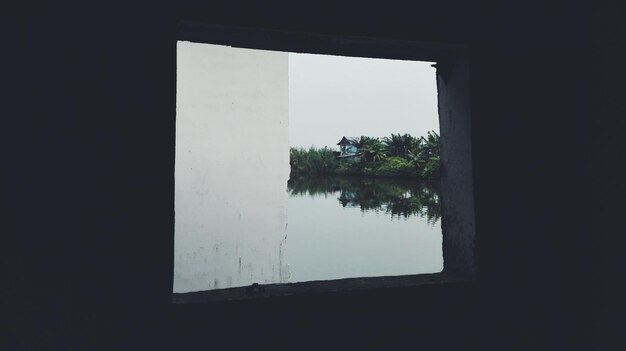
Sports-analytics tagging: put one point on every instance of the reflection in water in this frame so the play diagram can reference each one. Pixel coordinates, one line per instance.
(396, 197)
(346, 227)
(338, 227)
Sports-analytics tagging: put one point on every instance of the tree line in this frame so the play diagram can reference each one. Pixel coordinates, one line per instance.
(394, 156)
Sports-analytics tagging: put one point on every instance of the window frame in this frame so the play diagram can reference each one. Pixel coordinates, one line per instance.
(457, 198)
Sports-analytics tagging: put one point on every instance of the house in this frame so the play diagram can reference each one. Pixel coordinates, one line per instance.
(348, 148)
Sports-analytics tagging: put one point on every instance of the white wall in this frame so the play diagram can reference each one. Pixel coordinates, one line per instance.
(232, 167)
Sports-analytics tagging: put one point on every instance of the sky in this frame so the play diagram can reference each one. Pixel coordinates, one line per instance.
(333, 96)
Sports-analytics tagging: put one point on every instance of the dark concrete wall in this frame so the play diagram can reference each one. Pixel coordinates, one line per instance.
(87, 180)
(606, 162)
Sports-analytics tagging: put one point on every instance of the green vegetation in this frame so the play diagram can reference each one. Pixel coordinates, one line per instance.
(395, 156)
(312, 161)
(397, 197)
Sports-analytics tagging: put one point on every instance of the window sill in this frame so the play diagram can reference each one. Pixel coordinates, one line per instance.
(258, 291)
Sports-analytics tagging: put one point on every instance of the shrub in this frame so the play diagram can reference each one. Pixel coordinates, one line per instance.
(396, 166)
(349, 168)
(312, 161)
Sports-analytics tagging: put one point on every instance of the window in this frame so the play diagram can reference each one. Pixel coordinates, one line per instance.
(233, 115)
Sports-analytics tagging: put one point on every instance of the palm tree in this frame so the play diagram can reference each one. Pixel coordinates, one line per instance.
(431, 143)
(363, 141)
(425, 155)
(372, 149)
(399, 145)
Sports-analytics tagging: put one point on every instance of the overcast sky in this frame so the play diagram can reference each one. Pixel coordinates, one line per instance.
(333, 96)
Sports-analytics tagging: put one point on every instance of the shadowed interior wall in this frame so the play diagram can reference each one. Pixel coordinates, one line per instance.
(88, 174)
(456, 174)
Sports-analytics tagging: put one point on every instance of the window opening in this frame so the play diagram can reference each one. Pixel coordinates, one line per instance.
(308, 168)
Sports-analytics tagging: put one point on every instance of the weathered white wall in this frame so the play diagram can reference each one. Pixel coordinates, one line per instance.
(232, 167)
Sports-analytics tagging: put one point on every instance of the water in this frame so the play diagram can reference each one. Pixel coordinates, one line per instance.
(321, 228)
(344, 227)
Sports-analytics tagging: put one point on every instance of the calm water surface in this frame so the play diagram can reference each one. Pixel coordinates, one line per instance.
(323, 228)
(344, 227)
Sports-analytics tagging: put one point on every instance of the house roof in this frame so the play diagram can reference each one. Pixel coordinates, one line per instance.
(348, 141)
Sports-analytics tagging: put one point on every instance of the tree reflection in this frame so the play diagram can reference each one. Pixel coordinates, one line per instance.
(396, 197)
